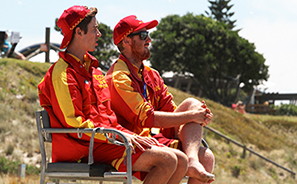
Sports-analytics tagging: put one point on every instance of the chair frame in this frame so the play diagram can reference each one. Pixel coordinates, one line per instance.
(80, 171)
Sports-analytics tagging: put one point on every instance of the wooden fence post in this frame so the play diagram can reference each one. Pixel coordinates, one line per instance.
(47, 42)
(244, 151)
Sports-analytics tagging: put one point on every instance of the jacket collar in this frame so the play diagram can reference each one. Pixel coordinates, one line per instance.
(76, 64)
(131, 67)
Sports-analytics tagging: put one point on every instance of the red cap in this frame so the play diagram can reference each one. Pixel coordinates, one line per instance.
(129, 25)
(69, 20)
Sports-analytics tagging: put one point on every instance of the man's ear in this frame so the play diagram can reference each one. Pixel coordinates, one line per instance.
(127, 40)
(78, 31)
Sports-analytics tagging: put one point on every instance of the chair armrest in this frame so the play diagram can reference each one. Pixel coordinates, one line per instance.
(104, 131)
(112, 140)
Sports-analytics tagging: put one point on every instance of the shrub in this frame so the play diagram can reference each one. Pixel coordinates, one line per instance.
(32, 170)
(235, 170)
(8, 167)
(273, 173)
(11, 167)
(286, 109)
(9, 149)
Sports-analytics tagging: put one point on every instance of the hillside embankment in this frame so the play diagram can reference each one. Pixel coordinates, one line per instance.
(274, 137)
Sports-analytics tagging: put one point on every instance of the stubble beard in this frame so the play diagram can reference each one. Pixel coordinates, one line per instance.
(140, 55)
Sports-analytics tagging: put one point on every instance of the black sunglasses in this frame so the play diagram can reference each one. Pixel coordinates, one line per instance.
(142, 35)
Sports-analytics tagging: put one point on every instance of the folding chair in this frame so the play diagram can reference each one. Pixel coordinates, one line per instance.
(79, 171)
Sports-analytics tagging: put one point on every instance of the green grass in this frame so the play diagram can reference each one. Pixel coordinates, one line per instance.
(11, 167)
(264, 131)
(272, 136)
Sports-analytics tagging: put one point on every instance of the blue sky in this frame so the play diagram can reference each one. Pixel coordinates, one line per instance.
(270, 24)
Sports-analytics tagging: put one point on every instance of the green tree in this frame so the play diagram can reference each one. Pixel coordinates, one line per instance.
(217, 57)
(219, 10)
(57, 28)
(105, 52)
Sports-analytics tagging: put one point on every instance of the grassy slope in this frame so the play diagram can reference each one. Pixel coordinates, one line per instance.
(19, 101)
(274, 137)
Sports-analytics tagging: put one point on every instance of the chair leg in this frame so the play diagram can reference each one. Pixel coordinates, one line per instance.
(204, 143)
(42, 178)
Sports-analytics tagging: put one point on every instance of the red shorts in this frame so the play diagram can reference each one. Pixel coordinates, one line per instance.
(167, 138)
(115, 155)
(72, 150)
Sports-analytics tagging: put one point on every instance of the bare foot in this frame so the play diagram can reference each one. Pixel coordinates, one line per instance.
(197, 171)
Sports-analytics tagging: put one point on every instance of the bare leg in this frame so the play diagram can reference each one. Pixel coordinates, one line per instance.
(201, 160)
(190, 135)
(207, 160)
(160, 163)
(182, 166)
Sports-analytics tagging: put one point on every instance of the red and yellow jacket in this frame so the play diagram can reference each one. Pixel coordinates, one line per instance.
(126, 83)
(76, 96)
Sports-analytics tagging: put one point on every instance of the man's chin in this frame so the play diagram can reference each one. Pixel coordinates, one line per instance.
(92, 50)
(145, 57)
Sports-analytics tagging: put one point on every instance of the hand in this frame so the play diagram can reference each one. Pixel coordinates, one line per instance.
(138, 141)
(207, 115)
(204, 114)
(207, 118)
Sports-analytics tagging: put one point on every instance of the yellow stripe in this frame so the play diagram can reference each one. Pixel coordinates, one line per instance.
(60, 84)
(59, 79)
(174, 144)
(41, 80)
(117, 162)
(122, 84)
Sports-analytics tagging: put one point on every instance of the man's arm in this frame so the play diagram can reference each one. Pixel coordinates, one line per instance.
(201, 116)
(165, 117)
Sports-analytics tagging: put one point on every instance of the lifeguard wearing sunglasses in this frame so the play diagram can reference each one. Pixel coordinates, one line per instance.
(142, 102)
(142, 35)
(130, 26)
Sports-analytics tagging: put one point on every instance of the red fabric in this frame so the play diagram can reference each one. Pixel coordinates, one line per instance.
(129, 25)
(91, 102)
(234, 106)
(158, 97)
(69, 20)
(169, 142)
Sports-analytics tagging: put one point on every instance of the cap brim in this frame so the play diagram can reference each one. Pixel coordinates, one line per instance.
(147, 25)
(66, 40)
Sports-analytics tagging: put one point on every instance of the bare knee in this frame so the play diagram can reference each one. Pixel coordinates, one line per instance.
(160, 163)
(182, 161)
(159, 158)
(167, 162)
(193, 102)
(188, 104)
(166, 156)
(207, 159)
